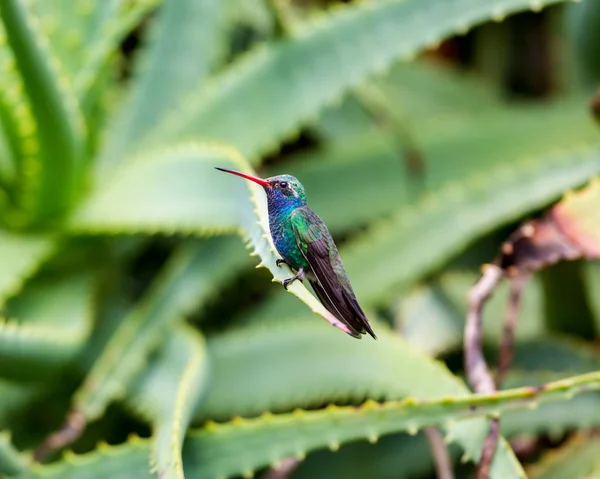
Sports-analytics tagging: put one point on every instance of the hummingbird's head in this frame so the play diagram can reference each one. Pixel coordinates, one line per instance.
(284, 187)
(280, 189)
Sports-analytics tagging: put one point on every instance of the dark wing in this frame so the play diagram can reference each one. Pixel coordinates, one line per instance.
(330, 281)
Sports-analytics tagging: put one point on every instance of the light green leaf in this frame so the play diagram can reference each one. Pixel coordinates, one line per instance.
(419, 239)
(83, 34)
(21, 256)
(171, 387)
(7, 159)
(16, 117)
(250, 368)
(183, 30)
(50, 322)
(16, 397)
(177, 190)
(267, 96)
(11, 461)
(577, 459)
(60, 126)
(375, 181)
(243, 446)
(192, 275)
(180, 191)
(427, 320)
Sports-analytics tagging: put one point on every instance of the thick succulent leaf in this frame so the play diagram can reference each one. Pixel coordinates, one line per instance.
(7, 159)
(245, 445)
(17, 120)
(431, 95)
(418, 239)
(422, 236)
(397, 456)
(172, 387)
(375, 181)
(191, 276)
(544, 359)
(12, 462)
(577, 459)
(224, 450)
(254, 13)
(250, 367)
(427, 320)
(16, 396)
(126, 461)
(60, 126)
(20, 255)
(276, 84)
(183, 29)
(83, 34)
(180, 191)
(177, 190)
(52, 320)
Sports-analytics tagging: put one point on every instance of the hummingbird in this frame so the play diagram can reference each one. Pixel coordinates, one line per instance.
(307, 248)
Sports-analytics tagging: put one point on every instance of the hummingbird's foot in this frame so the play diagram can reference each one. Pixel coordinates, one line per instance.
(300, 275)
(279, 262)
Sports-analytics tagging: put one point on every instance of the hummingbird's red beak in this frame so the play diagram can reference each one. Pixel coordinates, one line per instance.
(260, 181)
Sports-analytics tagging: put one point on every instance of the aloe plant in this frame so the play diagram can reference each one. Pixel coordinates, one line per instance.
(132, 313)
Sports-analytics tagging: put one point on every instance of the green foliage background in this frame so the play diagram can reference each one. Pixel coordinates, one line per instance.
(128, 296)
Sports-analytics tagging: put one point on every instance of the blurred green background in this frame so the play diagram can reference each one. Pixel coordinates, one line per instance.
(424, 132)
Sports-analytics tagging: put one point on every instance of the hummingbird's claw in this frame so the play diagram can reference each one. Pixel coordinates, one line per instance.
(300, 275)
(279, 262)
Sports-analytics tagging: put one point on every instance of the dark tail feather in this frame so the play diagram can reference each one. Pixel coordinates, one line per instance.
(349, 313)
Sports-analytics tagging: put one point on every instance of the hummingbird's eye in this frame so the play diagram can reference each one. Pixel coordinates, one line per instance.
(283, 184)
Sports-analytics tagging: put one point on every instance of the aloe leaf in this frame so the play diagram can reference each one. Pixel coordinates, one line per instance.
(425, 309)
(83, 35)
(224, 450)
(249, 367)
(7, 159)
(72, 28)
(11, 461)
(117, 462)
(578, 458)
(420, 237)
(60, 126)
(337, 51)
(389, 255)
(52, 320)
(245, 445)
(176, 190)
(180, 191)
(16, 396)
(16, 117)
(376, 183)
(431, 95)
(396, 456)
(111, 24)
(21, 256)
(191, 276)
(183, 29)
(172, 386)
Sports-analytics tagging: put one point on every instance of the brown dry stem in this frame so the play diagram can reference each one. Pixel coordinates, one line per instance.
(439, 451)
(284, 470)
(74, 426)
